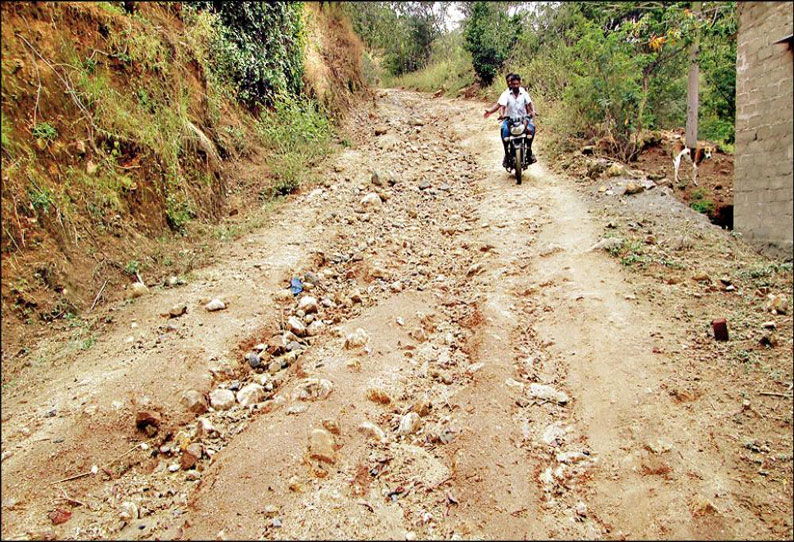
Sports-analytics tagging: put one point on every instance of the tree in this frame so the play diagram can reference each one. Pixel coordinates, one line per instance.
(489, 34)
(692, 88)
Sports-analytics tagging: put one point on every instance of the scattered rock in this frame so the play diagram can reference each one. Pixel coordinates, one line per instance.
(777, 303)
(769, 338)
(422, 406)
(315, 328)
(205, 428)
(381, 129)
(701, 506)
(148, 421)
(129, 511)
(177, 310)
(59, 516)
(372, 199)
(296, 326)
(194, 401)
(608, 244)
(312, 389)
(659, 446)
(633, 188)
(221, 399)
(308, 304)
(372, 431)
(253, 359)
(547, 393)
(215, 305)
(356, 339)
(137, 289)
(474, 367)
(297, 409)
(409, 424)
(321, 445)
(474, 269)
(553, 434)
(615, 170)
(580, 509)
(190, 456)
(276, 345)
(251, 394)
(701, 276)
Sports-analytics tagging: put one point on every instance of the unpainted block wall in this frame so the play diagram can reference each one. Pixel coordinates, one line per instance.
(764, 178)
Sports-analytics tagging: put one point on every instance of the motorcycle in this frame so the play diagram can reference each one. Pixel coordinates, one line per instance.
(517, 146)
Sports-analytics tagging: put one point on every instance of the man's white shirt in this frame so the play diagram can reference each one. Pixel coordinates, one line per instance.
(515, 106)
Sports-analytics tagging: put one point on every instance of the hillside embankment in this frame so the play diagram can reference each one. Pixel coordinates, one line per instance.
(128, 154)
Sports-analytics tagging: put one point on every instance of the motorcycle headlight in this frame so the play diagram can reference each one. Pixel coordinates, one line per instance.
(517, 129)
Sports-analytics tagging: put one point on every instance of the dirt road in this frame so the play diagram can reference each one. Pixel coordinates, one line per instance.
(477, 372)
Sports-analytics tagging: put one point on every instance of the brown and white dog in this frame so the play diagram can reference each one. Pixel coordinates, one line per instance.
(696, 156)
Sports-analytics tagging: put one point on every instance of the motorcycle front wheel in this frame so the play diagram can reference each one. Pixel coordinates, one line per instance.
(519, 162)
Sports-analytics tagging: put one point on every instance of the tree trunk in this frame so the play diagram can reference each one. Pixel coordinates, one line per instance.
(692, 90)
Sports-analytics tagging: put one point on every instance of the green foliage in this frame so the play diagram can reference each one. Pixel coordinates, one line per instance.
(45, 131)
(489, 35)
(402, 33)
(178, 211)
(449, 68)
(701, 201)
(132, 267)
(298, 133)
(41, 197)
(260, 52)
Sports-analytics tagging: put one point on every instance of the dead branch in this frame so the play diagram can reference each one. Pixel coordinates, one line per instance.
(97, 296)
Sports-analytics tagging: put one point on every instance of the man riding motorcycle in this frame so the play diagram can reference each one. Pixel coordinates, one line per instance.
(515, 102)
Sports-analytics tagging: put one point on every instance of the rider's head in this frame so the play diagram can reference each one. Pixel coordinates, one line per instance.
(514, 82)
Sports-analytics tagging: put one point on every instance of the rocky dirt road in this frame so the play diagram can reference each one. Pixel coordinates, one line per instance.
(460, 364)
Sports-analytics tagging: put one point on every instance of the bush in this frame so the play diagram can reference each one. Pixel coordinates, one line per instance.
(299, 134)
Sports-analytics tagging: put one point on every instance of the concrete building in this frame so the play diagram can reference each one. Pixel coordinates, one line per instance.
(764, 178)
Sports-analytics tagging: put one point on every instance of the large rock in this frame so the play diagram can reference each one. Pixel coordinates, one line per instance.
(194, 401)
(321, 445)
(221, 399)
(250, 394)
(547, 393)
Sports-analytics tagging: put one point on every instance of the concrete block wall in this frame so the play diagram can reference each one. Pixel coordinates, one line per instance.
(764, 178)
